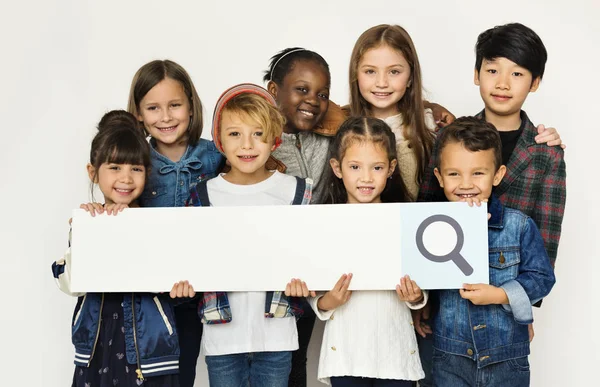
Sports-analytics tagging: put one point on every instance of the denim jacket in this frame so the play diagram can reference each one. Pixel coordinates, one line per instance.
(169, 183)
(520, 265)
(151, 340)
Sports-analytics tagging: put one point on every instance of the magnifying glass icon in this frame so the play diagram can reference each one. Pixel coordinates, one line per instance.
(454, 255)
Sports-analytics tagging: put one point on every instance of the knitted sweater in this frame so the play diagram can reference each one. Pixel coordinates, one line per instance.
(407, 161)
(305, 155)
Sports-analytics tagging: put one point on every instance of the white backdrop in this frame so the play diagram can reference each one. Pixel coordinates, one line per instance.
(65, 63)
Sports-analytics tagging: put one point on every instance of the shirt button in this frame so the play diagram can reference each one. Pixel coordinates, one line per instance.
(331, 318)
(502, 259)
(333, 348)
(181, 182)
(153, 193)
(470, 352)
(412, 352)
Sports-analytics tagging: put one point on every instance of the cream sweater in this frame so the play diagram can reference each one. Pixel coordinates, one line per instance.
(407, 161)
(372, 336)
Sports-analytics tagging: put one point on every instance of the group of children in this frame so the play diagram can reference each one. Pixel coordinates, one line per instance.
(288, 144)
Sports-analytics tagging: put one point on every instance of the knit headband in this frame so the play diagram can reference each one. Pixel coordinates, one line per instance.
(242, 88)
(283, 56)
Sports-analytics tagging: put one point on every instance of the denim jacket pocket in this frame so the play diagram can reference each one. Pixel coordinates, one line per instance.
(153, 193)
(504, 265)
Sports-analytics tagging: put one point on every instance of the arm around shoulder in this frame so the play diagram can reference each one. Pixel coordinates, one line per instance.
(550, 202)
(332, 121)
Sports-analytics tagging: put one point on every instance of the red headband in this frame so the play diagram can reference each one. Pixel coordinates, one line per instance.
(242, 88)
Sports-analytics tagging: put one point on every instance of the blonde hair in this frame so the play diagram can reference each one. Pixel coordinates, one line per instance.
(419, 138)
(149, 75)
(259, 110)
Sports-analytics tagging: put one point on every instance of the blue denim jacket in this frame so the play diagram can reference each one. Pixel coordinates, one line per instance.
(168, 184)
(520, 265)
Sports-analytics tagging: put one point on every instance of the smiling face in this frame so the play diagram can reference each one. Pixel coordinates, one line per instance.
(504, 86)
(119, 183)
(364, 170)
(244, 148)
(165, 111)
(303, 96)
(383, 77)
(467, 175)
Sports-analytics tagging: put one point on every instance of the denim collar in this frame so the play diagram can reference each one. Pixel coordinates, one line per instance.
(496, 209)
(186, 163)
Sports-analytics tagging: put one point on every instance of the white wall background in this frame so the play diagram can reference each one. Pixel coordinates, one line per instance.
(65, 63)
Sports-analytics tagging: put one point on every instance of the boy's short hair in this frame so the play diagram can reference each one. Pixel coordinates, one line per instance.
(250, 102)
(515, 42)
(257, 109)
(474, 134)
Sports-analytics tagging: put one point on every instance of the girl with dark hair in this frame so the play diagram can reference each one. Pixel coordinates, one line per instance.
(371, 340)
(299, 80)
(120, 339)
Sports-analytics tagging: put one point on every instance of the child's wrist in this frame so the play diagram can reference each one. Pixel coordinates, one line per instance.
(418, 300)
(501, 296)
(320, 303)
(324, 303)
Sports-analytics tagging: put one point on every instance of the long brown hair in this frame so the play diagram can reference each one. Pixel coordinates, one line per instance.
(419, 138)
(149, 75)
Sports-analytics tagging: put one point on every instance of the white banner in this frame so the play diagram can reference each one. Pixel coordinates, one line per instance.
(440, 245)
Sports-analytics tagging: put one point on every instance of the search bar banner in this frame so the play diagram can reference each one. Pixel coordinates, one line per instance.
(440, 245)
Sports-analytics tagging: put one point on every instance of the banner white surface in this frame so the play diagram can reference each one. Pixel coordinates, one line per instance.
(441, 245)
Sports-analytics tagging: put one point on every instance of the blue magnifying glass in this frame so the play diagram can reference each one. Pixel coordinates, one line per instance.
(454, 255)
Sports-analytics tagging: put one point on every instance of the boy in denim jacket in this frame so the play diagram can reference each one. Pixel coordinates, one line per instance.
(480, 331)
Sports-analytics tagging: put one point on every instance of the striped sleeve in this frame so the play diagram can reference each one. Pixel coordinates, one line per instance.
(61, 270)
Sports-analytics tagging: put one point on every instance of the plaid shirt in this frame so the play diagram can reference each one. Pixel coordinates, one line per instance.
(214, 307)
(535, 183)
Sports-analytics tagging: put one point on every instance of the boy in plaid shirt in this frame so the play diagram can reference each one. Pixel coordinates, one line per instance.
(510, 63)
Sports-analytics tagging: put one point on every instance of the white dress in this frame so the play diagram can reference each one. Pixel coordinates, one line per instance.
(372, 336)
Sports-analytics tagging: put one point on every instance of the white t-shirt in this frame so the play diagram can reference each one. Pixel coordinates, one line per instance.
(249, 330)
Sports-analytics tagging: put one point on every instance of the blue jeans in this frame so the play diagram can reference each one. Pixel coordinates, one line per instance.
(256, 369)
(456, 371)
(352, 381)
